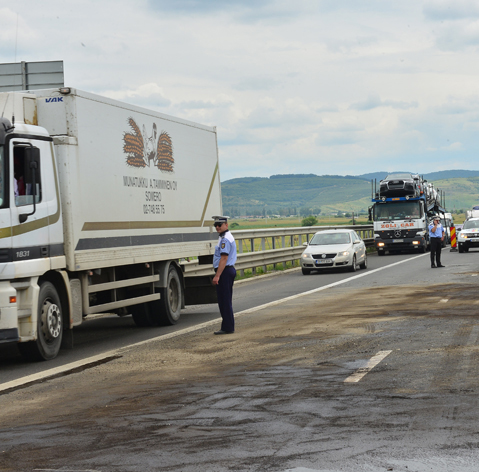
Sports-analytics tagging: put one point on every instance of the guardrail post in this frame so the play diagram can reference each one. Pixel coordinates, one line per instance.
(292, 245)
(263, 248)
(253, 269)
(240, 251)
(273, 239)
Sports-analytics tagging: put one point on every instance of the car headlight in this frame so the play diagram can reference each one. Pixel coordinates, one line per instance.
(343, 253)
(306, 255)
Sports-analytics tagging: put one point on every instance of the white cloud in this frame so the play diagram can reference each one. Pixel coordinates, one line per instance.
(374, 101)
(440, 10)
(305, 87)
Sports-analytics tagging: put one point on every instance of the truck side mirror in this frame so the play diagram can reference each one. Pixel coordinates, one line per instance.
(370, 214)
(31, 177)
(32, 166)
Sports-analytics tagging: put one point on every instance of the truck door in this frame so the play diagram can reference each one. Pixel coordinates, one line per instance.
(29, 210)
(5, 216)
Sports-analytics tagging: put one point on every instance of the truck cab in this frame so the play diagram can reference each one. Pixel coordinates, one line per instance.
(399, 224)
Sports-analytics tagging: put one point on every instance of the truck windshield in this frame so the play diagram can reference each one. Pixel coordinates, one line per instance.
(2, 177)
(397, 211)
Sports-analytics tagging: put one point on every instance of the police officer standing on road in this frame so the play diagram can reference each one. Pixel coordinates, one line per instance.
(436, 236)
(224, 260)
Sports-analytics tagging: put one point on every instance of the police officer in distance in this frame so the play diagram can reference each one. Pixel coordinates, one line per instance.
(436, 235)
(224, 260)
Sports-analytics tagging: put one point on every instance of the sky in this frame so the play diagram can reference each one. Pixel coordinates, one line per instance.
(342, 87)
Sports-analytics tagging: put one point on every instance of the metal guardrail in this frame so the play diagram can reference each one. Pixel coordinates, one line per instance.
(271, 246)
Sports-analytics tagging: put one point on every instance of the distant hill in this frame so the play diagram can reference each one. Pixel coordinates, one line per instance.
(291, 194)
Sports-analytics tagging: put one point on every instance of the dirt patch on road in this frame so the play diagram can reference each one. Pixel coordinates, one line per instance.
(302, 332)
(271, 396)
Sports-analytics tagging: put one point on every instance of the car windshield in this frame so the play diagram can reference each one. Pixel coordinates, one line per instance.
(398, 177)
(471, 224)
(397, 211)
(330, 238)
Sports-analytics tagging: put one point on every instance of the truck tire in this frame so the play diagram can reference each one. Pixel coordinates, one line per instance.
(167, 309)
(461, 249)
(381, 253)
(142, 316)
(49, 326)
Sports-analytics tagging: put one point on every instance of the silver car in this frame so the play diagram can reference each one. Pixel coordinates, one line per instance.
(334, 248)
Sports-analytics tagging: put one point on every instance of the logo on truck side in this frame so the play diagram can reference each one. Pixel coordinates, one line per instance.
(142, 150)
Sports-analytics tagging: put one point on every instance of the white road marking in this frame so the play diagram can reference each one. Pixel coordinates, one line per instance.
(373, 362)
(444, 300)
(90, 360)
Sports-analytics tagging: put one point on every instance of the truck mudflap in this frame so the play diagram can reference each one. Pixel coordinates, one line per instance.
(9, 335)
(9, 328)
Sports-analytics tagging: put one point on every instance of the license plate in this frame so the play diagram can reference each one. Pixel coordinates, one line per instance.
(398, 240)
(324, 261)
(475, 240)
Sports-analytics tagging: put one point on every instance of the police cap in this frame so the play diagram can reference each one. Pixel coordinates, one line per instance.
(219, 220)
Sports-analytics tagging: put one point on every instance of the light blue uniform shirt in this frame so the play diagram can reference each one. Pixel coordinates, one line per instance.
(226, 245)
(438, 232)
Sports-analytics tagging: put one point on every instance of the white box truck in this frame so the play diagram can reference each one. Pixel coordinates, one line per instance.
(99, 203)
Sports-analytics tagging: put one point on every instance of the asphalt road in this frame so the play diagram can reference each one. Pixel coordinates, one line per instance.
(371, 371)
(109, 332)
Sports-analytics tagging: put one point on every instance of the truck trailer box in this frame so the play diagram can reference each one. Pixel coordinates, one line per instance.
(135, 185)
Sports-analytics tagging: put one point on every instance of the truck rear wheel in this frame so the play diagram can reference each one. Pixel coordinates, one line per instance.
(49, 326)
(142, 316)
(167, 309)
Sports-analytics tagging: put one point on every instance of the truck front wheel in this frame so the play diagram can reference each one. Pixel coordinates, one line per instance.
(49, 326)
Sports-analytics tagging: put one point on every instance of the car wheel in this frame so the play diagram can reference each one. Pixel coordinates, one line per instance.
(364, 265)
(353, 267)
(305, 271)
(461, 249)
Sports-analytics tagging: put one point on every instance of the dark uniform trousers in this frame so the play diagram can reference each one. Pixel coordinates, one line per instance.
(224, 292)
(436, 245)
